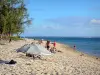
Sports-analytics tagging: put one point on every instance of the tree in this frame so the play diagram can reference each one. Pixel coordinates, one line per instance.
(13, 17)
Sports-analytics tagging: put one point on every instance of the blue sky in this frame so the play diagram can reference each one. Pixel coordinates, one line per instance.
(71, 18)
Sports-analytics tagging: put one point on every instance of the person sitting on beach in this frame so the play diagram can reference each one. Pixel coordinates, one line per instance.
(54, 45)
(48, 45)
(53, 50)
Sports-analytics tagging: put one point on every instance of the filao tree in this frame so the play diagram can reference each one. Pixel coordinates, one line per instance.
(13, 17)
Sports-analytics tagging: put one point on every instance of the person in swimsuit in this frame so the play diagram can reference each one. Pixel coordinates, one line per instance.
(48, 45)
(54, 44)
(74, 47)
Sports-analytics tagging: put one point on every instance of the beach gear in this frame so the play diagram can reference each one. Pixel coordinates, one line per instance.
(34, 49)
(12, 62)
(7, 62)
(24, 48)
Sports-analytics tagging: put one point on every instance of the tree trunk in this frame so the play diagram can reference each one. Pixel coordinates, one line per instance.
(9, 35)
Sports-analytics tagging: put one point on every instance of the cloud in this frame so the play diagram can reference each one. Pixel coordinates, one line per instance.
(66, 26)
(70, 21)
(75, 21)
(54, 27)
(95, 21)
(49, 27)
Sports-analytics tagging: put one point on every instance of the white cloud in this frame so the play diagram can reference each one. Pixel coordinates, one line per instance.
(70, 20)
(94, 21)
(52, 27)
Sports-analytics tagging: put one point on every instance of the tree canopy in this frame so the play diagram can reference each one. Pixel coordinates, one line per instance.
(13, 17)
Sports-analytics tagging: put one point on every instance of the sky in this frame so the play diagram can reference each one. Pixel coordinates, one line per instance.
(70, 18)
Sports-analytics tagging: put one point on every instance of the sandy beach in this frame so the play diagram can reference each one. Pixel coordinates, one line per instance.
(66, 62)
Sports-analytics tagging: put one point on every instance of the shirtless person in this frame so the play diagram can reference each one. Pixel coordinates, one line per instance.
(48, 45)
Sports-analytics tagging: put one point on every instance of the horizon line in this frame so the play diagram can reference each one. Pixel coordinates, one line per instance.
(67, 36)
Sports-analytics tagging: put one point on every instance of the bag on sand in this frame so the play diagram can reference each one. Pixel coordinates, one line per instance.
(12, 62)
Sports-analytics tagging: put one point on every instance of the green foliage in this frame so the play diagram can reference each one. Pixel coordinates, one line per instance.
(15, 38)
(13, 17)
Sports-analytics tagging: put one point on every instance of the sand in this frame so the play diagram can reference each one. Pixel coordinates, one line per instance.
(66, 62)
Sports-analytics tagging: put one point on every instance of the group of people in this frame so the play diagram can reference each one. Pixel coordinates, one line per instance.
(54, 45)
(51, 49)
(48, 45)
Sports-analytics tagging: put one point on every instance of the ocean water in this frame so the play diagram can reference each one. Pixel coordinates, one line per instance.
(89, 46)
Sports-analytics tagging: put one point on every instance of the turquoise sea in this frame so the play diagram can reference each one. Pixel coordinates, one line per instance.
(89, 46)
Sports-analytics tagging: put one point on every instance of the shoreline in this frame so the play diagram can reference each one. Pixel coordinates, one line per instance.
(89, 54)
(68, 61)
(79, 52)
(71, 49)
